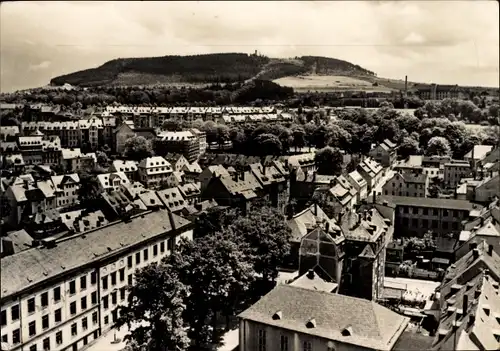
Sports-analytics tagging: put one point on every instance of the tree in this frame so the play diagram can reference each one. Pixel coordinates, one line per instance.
(88, 191)
(268, 144)
(138, 148)
(155, 305)
(172, 125)
(218, 273)
(102, 159)
(408, 147)
(299, 137)
(438, 146)
(329, 161)
(265, 237)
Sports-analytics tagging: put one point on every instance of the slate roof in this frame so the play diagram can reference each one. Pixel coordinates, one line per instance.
(245, 187)
(33, 266)
(74, 220)
(368, 230)
(372, 325)
(124, 166)
(21, 240)
(154, 165)
(172, 199)
(190, 190)
(303, 222)
(313, 283)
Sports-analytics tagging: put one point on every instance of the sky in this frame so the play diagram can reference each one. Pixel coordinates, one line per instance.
(445, 42)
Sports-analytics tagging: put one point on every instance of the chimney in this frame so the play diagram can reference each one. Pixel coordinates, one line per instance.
(235, 176)
(243, 175)
(475, 254)
(374, 196)
(171, 219)
(472, 319)
(339, 218)
(327, 227)
(310, 274)
(315, 208)
(263, 169)
(490, 250)
(406, 85)
(482, 221)
(465, 304)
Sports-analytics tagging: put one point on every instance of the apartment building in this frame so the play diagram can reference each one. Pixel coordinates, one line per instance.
(274, 179)
(407, 184)
(62, 294)
(297, 319)
(91, 132)
(341, 195)
(185, 143)
(153, 171)
(455, 171)
(415, 216)
(31, 147)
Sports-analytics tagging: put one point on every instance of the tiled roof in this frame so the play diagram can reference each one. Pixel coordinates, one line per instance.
(79, 222)
(414, 178)
(150, 199)
(450, 204)
(105, 179)
(151, 164)
(372, 325)
(313, 282)
(303, 222)
(480, 151)
(190, 189)
(124, 166)
(21, 240)
(357, 178)
(58, 180)
(245, 185)
(33, 266)
(357, 227)
(267, 175)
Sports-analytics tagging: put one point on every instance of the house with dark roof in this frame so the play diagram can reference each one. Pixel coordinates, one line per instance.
(191, 192)
(239, 190)
(293, 318)
(385, 153)
(407, 184)
(359, 184)
(178, 161)
(274, 179)
(372, 171)
(172, 199)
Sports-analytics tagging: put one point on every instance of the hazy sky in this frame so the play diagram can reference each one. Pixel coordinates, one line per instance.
(431, 41)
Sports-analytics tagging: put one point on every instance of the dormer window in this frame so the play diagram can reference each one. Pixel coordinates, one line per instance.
(347, 331)
(278, 315)
(311, 323)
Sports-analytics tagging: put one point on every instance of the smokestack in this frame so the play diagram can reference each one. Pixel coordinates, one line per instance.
(406, 86)
(465, 304)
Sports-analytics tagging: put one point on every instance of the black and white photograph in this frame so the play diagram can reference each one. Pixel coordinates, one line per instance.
(250, 175)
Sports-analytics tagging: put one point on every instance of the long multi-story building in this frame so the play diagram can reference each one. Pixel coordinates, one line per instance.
(62, 294)
(185, 143)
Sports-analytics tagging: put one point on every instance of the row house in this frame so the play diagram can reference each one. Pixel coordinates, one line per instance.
(51, 151)
(359, 183)
(72, 298)
(432, 166)
(372, 171)
(415, 216)
(306, 162)
(295, 318)
(407, 184)
(154, 171)
(31, 147)
(91, 132)
(385, 153)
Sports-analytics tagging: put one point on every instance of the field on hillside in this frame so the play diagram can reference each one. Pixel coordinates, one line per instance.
(328, 83)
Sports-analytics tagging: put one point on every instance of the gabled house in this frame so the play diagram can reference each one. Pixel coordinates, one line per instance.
(172, 199)
(238, 190)
(191, 192)
(407, 184)
(124, 132)
(178, 161)
(274, 179)
(192, 172)
(372, 171)
(210, 172)
(66, 189)
(112, 181)
(128, 167)
(359, 183)
(385, 153)
(341, 195)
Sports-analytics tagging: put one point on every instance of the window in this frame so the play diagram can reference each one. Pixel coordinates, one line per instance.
(15, 310)
(44, 299)
(113, 298)
(105, 302)
(5, 338)
(94, 297)
(414, 222)
(72, 287)
(170, 244)
(46, 344)
(59, 338)
(33, 347)
(106, 320)
(113, 278)
(16, 336)
(122, 294)
(405, 209)
(454, 226)
(307, 346)
(57, 294)
(138, 258)
(74, 329)
(284, 343)
(445, 213)
(84, 303)
(104, 282)
(93, 278)
(83, 282)
(57, 315)
(424, 223)
(4, 318)
(32, 328)
(155, 250)
(162, 247)
(122, 274)
(445, 225)
(434, 223)
(145, 254)
(45, 322)
(94, 318)
(72, 308)
(435, 212)
(262, 340)
(129, 262)
(129, 279)
(84, 323)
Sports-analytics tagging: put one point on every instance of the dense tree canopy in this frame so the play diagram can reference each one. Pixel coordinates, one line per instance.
(138, 148)
(329, 161)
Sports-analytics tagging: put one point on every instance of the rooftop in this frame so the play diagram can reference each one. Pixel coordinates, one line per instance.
(330, 316)
(450, 204)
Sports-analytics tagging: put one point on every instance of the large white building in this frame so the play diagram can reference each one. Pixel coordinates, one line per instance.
(153, 171)
(62, 294)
